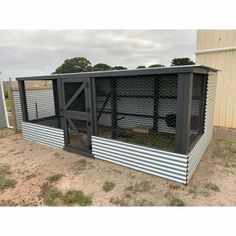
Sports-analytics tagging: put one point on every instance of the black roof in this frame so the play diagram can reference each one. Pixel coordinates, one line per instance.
(120, 73)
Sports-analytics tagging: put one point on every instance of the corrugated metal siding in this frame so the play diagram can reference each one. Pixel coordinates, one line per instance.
(43, 134)
(164, 164)
(197, 152)
(44, 100)
(225, 109)
(3, 121)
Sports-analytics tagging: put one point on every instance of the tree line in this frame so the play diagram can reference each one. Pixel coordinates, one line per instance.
(81, 64)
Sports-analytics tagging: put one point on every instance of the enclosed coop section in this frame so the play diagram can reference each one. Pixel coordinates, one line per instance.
(158, 121)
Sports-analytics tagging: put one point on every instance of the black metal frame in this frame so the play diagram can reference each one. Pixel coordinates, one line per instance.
(67, 115)
(183, 112)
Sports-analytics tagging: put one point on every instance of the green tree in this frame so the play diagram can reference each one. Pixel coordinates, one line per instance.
(101, 67)
(73, 65)
(156, 65)
(141, 67)
(119, 68)
(182, 61)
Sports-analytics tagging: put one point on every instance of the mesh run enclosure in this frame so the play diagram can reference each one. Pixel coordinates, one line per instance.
(138, 110)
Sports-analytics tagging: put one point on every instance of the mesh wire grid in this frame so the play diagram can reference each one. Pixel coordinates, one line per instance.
(139, 110)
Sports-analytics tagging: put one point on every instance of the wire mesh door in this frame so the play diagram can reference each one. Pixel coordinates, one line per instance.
(76, 114)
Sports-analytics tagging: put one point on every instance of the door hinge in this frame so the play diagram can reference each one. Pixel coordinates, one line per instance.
(89, 123)
(88, 110)
(87, 85)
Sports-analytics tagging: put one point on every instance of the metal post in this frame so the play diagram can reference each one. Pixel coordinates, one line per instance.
(113, 108)
(202, 101)
(94, 105)
(183, 113)
(156, 103)
(56, 102)
(36, 110)
(23, 100)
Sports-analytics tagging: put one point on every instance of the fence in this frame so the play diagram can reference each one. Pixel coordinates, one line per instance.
(40, 104)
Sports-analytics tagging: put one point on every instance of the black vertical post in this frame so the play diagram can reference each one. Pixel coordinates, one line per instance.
(156, 103)
(113, 108)
(183, 113)
(23, 100)
(36, 110)
(94, 105)
(202, 101)
(56, 102)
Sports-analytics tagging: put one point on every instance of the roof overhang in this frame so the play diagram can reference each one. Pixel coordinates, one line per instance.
(121, 73)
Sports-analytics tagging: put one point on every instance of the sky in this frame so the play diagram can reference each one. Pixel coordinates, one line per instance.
(40, 52)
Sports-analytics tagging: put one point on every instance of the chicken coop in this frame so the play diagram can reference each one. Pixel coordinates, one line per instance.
(156, 120)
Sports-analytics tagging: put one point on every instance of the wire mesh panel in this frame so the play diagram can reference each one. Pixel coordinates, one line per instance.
(198, 107)
(75, 96)
(138, 110)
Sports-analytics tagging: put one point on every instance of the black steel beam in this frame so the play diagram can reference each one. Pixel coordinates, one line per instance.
(156, 103)
(183, 112)
(56, 102)
(149, 71)
(23, 101)
(113, 108)
(103, 106)
(202, 101)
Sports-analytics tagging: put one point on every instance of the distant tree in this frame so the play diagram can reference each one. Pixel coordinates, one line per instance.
(101, 67)
(119, 68)
(156, 65)
(182, 61)
(73, 65)
(141, 67)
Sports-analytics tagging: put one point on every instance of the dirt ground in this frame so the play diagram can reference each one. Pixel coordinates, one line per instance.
(34, 175)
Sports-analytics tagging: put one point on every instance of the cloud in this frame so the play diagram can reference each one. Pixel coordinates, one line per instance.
(39, 52)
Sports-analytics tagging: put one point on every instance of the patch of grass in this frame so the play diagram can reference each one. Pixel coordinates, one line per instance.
(7, 183)
(4, 182)
(58, 155)
(143, 186)
(143, 202)
(108, 186)
(225, 152)
(55, 178)
(4, 169)
(81, 164)
(74, 197)
(7, 203)
(174, 186)
(212, 187)
(119, 201)
(51, 195)
(205, 189)
(163, 141)
(8, 104)
(177, 202)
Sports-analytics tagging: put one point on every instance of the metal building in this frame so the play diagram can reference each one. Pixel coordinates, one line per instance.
(217, 48)
(157, 120)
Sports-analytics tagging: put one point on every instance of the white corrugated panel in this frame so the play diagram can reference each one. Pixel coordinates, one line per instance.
(197, 152)
(43, 134)
(164, 164)
(44, 100)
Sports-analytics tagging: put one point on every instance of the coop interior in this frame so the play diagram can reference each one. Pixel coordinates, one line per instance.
(142, 109)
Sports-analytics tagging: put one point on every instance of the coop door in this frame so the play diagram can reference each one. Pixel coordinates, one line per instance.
(76, 114)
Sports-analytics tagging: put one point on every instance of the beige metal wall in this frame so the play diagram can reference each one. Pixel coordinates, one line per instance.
(217, 49)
